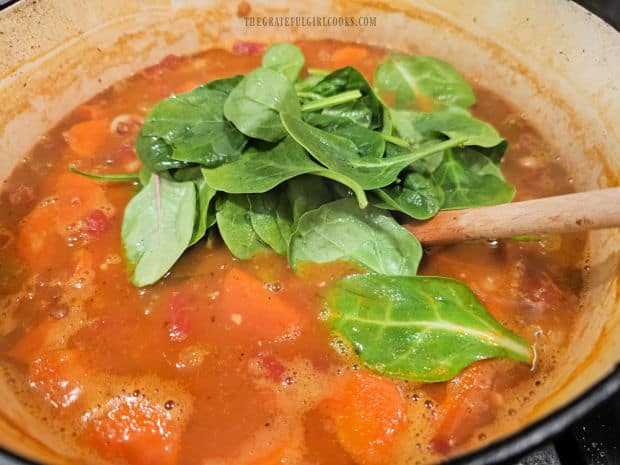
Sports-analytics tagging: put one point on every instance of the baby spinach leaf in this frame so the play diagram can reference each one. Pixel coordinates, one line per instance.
(234, 222)
(157, 227)
(470, 179)
(371, 238)
(205, 212)
(416, 195)
(271, 216)
(419, 328)
(193, 127)
(306, 193)
(254, 104)
(455, 123)
(369, 143)
(284, 58)
(412, 78)
(366, 111)
(424, 165)
(342, 156)
(156, 154)
(260, 170)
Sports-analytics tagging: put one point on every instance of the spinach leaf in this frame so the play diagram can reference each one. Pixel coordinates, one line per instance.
(271, 216)
(156, 154)
(470, 179)
(157, 227)
(234, 222)
(205, 212)
(341, 155)
(371, 238)
(455, 123)
(366, 111)
(369, 143)
(417, 196)
(284, 58)
(254, 104)
(193, 127)
(415, 79)
(260, 170)
(307, 193)
(424, 165)
(419, 328)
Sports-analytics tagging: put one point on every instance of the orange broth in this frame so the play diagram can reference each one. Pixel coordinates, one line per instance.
(226, 361)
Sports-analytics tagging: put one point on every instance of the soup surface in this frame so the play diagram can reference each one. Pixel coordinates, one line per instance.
(226, 361)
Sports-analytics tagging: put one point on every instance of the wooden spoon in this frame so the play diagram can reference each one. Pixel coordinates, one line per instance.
(560, 214)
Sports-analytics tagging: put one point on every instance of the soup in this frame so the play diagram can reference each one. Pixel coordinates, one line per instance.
(226, 360)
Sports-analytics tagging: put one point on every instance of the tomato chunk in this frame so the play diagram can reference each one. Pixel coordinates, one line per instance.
(255, 310)
(135, 430)
(369, 414)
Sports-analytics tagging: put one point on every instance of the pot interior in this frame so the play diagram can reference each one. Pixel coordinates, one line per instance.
(560, 70)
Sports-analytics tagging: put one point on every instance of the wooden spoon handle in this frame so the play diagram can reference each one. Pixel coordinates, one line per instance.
(560, 214)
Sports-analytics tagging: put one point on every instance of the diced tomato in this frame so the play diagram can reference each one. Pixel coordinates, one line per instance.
(270, 366)
(369, 415)
(97, 222)
(179, 308)
(348, 55)
(87, 137)
(537, 288)
(58, 376)
(248, 48)
(257, 312)
(34, 342)
(470, 403)
(135, 430)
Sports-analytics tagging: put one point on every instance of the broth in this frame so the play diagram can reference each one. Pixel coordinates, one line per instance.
(185, 371)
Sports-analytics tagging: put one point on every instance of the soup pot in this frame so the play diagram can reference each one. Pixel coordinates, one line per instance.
(550, 58)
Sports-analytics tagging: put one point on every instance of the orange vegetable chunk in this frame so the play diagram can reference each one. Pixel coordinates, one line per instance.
(369, 415)
(135, 430)
(255, 310)
(86, 137)
(348, 55)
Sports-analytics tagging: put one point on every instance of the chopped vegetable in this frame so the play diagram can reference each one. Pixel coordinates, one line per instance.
(87, 137)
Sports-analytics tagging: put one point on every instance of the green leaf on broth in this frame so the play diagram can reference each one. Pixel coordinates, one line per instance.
(254, 104)
(417, 196)
(418, 126)
(418, 328)
(370, 237)
(366, 111)
(342, 156)
(261, 170)
(193, 127)
(284, 58)
(234, 221)
(470, 179)
(413, 79)
(271, 216)
(368, 143)
(157, 227)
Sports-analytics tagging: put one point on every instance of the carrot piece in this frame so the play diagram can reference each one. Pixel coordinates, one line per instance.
(37, 239)
(90, 111)
(369, 415)
(34, 342)
(58, 375)
(86, 137)
(470, 403)
(348, 55)
(274, 456)
(134, 430)
(255, 310)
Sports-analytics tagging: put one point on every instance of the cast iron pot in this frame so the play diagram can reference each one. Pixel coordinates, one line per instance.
(555, 61)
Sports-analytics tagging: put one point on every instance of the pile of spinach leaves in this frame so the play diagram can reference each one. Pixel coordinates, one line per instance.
(314, 168)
